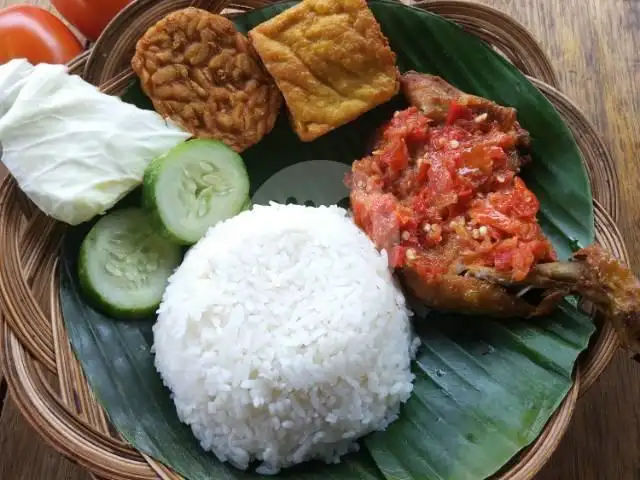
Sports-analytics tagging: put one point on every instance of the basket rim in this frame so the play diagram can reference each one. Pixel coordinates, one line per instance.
(95, 450)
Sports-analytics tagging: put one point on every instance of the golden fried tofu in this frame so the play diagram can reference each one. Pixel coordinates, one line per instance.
(330, 60)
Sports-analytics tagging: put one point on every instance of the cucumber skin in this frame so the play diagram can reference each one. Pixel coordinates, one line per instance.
(248, 205)
(150, 177)
(96, 300)
(151, 174)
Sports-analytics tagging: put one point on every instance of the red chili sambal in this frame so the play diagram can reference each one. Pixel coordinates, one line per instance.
(442, 195)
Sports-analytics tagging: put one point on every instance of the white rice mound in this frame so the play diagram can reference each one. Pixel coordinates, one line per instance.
(284, 338)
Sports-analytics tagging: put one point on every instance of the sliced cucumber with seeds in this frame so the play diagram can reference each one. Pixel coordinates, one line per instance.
(194, 186)
(124, 264)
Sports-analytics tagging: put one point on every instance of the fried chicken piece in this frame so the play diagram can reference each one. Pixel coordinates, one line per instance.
(440, 193)
(434, 97)
(457, 293)
(330, 60)
(594, 274)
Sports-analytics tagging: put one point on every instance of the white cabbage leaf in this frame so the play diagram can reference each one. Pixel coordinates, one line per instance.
(73, 150)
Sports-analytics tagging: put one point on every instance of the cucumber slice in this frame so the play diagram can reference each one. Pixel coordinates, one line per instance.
(124, 264)
(194, 186)
(248, 205)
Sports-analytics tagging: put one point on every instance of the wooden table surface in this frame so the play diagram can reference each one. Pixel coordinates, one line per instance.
(595, 48)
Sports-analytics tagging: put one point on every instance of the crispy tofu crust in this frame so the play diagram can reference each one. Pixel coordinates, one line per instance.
(330, 60)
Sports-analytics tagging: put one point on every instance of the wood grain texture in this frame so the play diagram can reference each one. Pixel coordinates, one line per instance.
(594, 47)
(24, 456)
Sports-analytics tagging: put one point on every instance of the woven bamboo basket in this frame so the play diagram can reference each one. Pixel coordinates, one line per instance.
(44, 378)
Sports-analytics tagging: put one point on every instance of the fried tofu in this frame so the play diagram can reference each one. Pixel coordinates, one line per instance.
(330, 60)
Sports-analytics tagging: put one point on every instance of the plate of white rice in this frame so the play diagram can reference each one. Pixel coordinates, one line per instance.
(283, 337)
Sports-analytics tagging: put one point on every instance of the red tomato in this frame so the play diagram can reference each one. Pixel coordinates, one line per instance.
(31, 32)
(457, 111)
(395, 155)
(89, 16)
(409, 124)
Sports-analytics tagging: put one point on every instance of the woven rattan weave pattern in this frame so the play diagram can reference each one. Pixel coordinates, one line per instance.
(34, 343)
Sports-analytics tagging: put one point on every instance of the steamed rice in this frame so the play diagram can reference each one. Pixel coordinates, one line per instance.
(283, 338)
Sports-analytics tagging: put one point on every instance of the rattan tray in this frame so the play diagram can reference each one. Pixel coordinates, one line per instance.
(44, 378)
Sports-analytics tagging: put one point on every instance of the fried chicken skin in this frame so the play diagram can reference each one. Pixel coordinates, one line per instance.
(441, 194)
(594, 274)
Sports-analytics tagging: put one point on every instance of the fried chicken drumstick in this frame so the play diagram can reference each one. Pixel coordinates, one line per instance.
(441, 194)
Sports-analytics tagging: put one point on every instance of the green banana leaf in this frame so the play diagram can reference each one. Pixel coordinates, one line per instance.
(484, 389)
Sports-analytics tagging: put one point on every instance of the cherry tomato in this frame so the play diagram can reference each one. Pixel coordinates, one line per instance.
(89, 16)
(31, 32)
